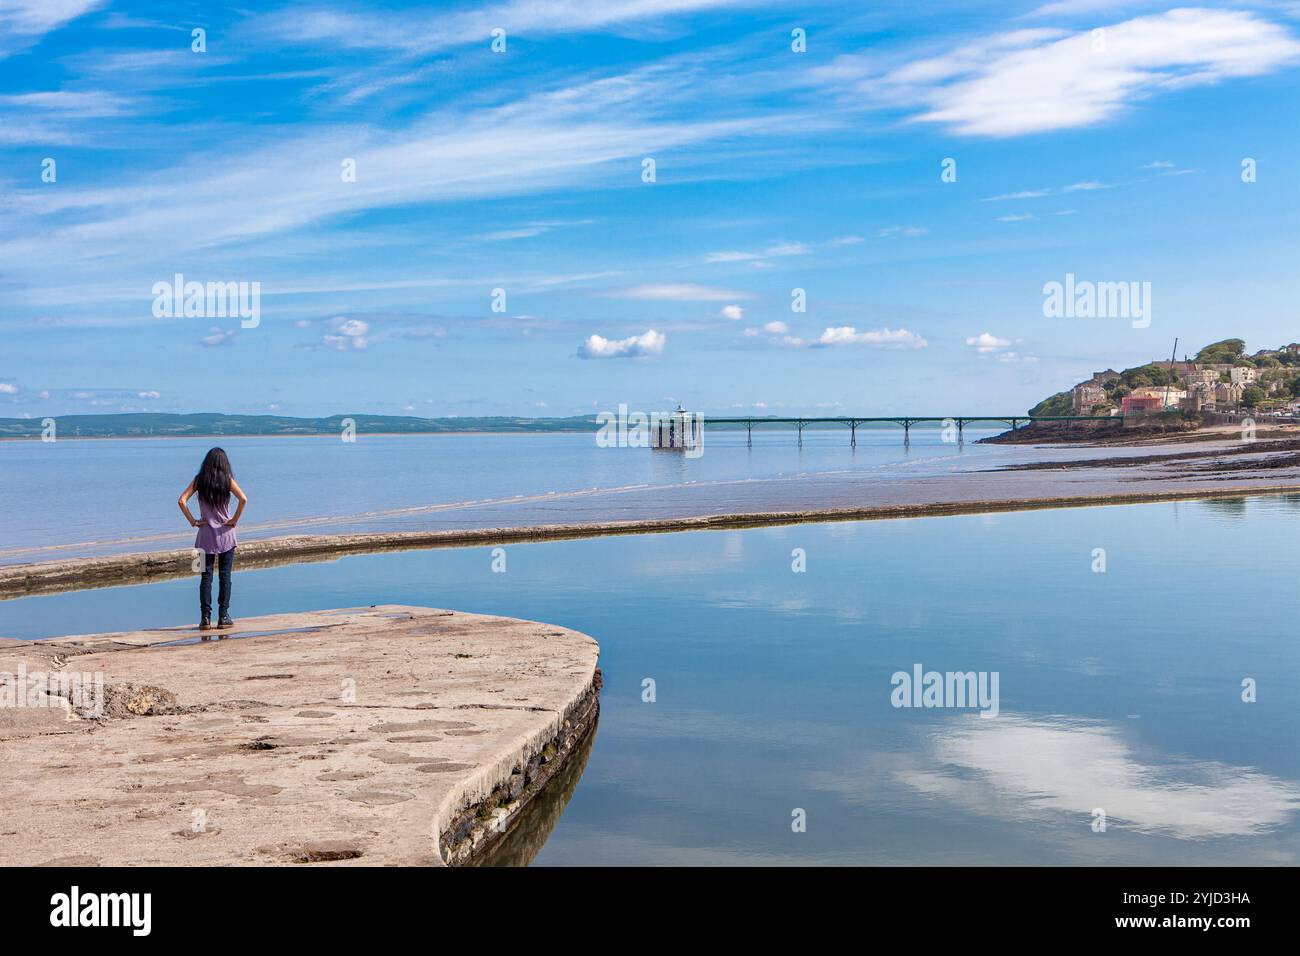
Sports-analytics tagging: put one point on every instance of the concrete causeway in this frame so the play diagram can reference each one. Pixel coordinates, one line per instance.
(389, 735)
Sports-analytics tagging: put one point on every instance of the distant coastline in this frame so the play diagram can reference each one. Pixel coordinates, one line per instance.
(214, 425)
(219, 425)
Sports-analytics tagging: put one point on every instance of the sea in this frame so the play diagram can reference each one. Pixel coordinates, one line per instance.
(1140, 674)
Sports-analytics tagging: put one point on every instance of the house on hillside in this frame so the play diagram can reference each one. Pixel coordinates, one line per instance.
(1168, 397)
(1091, 391)
(1140, 405)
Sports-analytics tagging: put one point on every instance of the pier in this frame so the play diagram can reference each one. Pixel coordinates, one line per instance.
(907, 421)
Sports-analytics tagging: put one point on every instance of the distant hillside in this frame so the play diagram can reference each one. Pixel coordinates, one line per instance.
(1276, 379)
(174, 426)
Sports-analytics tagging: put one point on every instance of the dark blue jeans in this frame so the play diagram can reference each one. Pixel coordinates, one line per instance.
(224, 561)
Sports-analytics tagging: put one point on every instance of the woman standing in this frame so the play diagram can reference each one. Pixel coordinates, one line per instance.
(214, 484)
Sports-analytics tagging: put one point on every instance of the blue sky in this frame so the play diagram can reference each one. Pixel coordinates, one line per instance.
(1092, 137)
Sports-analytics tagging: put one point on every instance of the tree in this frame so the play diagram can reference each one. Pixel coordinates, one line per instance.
(1221, 353)
(1252, 396)
(1059, 404)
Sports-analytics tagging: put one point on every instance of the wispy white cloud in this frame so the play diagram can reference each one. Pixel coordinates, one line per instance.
(908, 232)
(677, 292)
(874, 338)
(437, 29)
(58, 116)
(1036, 80)
(1022, 194)
(584, 135)
(776, 250)
(530, 230)
(24, 22)
(1068, 8)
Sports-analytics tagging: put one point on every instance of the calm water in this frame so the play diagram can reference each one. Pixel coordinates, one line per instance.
(1118, 690)
(323, 485)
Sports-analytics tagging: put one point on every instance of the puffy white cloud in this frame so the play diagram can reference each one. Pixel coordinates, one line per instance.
(733, 312)
(875, 338)
(8, 388)
(347, 334)
(217, 336)
(776, 328)
(149, 394)
(649, 342)
(987, 342)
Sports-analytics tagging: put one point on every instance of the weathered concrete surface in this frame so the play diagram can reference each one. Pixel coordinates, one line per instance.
(249, 750)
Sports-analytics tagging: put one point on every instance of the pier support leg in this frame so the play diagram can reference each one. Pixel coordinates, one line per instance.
(853, 434)
(907, 433)
(749, 434)
(801, 434)
(961, 430)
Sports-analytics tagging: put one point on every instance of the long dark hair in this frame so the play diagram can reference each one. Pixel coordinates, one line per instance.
(213, 480)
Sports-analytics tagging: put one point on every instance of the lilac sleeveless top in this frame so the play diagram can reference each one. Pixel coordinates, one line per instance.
(213, 536)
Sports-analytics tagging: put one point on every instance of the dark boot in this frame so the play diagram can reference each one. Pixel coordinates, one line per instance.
(205, 623)
(224, 620)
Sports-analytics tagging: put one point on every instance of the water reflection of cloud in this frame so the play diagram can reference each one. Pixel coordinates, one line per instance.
(1020, 766)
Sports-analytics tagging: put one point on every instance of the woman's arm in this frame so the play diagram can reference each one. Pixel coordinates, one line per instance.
(238, 492)
(185, 510)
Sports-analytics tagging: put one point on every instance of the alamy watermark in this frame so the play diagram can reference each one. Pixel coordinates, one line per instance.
(130, 910)
(676, 431)
(922, 688)
(83, 692)
(181, 299)
(1084, 299)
